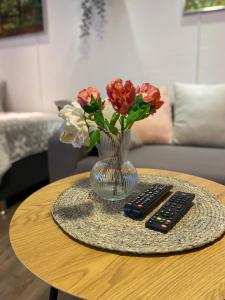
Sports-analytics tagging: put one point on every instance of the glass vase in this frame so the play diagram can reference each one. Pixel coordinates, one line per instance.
(113, 177)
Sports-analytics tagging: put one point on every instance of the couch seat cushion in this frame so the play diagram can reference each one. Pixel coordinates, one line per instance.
(200, 161)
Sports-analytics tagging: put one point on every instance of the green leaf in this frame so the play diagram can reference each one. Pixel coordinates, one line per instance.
(141, 110)
(114, 130)
(99, 118)
(145, 111)
(111, 125)
(148, 108)
(107, 123)
(87, 109)
(139, 100)
(114, 119)
(122, 122)
(100, 103)
(96, 104)
(94, 138)
(133, 116)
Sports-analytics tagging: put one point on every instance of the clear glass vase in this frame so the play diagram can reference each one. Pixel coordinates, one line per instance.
(113, 177)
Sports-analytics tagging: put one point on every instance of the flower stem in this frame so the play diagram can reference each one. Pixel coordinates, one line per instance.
(122, 118)
(85, 119)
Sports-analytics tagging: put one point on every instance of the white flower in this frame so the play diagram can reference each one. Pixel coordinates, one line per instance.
(74, 129)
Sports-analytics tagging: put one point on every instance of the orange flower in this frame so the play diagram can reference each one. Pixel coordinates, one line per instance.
(122, 97)
(150, 94)
(84, 96)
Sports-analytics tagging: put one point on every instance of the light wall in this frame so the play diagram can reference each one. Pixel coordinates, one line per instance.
(144, 40)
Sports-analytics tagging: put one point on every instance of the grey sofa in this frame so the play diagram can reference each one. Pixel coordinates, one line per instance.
(64, 160)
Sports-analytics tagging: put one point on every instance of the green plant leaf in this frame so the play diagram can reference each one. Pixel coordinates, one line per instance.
(114, 130)
(100, 103)
(94, 138)
(107, 123)
(99, 118)
(139, 100)
(139, 111)
(132, 117)
(111, 125)
(145, 111)
(114, 119)
(122, 122)
(87, 109)
(96, 104)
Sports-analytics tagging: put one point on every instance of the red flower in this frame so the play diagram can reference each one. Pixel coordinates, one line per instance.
(150, 94)
(122, 97)
(84, 96)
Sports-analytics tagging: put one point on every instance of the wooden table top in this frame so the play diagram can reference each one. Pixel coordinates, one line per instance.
(95, 274)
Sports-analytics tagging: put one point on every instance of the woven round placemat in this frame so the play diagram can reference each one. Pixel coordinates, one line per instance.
(100, 223)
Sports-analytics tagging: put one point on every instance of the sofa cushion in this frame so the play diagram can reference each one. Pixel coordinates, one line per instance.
(199, 115)
(61, 103)
(204, 162)
(157, 128)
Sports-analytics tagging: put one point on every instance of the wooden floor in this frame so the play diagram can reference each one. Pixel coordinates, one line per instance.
(16, 282)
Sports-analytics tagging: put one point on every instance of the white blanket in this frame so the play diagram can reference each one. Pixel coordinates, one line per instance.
(24, 134)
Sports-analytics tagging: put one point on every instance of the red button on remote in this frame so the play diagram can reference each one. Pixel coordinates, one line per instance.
(140, 205)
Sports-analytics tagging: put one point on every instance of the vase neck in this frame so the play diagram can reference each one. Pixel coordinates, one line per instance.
(114, 146)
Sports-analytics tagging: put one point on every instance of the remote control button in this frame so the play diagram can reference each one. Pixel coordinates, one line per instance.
(158, 218)
(164, 226)
(168, 221)
(147, 200)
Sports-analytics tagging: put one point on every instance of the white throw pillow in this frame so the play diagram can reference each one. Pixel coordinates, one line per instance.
(2, 95)
(199, 115)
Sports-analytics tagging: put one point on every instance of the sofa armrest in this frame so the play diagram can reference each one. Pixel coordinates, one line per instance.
(62, 158)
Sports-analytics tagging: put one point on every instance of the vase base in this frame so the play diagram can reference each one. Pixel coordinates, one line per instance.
(110, 193)
(112, 198)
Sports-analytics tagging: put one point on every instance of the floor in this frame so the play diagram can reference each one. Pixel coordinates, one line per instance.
(16, 282)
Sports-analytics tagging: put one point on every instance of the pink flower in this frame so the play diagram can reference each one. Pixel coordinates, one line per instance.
(150, 94)
(122, 97)
(84, 96)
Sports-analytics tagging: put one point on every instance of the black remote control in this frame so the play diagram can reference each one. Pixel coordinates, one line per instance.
(141, 205)
(171, 212)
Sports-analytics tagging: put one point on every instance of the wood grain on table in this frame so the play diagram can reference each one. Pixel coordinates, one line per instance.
(95, 274)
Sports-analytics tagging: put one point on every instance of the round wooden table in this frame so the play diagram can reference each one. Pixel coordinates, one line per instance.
(95, 274)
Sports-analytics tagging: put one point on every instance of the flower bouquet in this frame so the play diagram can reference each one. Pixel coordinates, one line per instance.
(88, 123)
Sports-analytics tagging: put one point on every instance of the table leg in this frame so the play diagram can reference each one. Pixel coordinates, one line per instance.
(53, 293)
